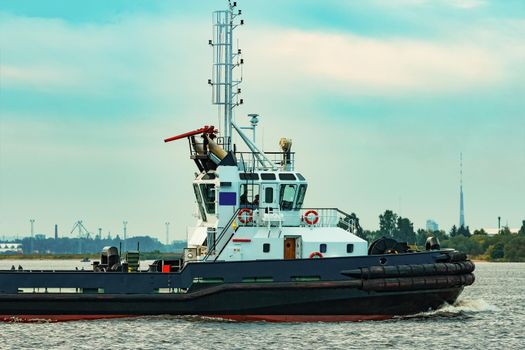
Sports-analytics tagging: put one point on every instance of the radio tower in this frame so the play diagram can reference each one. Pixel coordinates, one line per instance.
(461, 210)
(125, 223)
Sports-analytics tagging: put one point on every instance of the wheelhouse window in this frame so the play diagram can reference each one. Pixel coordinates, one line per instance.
(209, 176)
(300, 177)
(249, 195)
(208, 195)
(287, 176)
(287, 196)
(300, 196)
(267, 176)
(249, 176)
(349, 248)
(198, 197)
(268, 195)
(322, 247)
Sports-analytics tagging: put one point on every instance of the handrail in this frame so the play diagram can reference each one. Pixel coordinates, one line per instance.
(276, 159)
(224, 246)
(336, 209)
(213, 247)
(223, 232)
(342, 213)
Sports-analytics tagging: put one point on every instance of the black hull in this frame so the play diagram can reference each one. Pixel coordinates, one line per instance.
(326, 300)
(346, 289)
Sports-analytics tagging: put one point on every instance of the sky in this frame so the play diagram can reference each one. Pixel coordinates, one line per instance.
(380, 97)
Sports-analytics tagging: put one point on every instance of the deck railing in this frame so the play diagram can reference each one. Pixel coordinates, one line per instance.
(279, 160)
(317, 217)
(212, 248)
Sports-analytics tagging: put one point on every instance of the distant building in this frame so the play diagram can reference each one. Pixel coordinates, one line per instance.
(11, 248)
(432, 225)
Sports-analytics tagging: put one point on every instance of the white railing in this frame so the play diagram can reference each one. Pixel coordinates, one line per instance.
(279, 160)
(307, 217)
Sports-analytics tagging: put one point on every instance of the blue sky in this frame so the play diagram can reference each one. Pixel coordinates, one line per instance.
(380, 97)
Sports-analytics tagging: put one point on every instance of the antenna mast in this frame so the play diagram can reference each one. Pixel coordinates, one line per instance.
(225, 89)
(125, 229)
(32, 221)
(461, 210)
(167, 233)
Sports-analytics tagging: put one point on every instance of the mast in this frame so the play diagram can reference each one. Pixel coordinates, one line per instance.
(225, 89)
(225, 95)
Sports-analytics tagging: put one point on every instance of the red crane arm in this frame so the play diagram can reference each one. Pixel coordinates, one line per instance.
(205, 130)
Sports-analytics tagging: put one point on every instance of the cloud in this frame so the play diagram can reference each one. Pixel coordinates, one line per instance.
(148, 56)
(360, 64)
(463, 4)
(137, 55)
(466, 4)
(39, 78)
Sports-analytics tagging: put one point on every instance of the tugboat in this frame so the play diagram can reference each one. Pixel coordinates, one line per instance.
(256, 253)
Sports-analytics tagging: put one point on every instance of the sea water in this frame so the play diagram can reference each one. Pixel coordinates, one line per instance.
(488, 315)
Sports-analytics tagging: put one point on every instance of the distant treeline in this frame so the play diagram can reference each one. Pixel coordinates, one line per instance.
(505, 246)
(94, 245)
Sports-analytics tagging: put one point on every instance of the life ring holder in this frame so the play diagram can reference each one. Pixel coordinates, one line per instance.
(245, 219)
(316, 254)
(314, 221)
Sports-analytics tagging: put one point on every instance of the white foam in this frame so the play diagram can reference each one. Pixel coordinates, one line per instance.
(459, 308)
(470, 305)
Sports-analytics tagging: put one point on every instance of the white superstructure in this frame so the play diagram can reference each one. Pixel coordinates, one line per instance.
(250, 204)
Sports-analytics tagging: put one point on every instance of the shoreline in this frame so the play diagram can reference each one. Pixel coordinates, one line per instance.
(143, 256)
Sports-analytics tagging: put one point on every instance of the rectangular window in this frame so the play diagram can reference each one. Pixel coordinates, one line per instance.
(267, 176)
(249, 176)
(322, 247)
(268, 195)
(199, 201)
(249, 196)
(287, 196)
(300, 196)
(301, 177)
(349, 248)
(266, 247)
(208, 194)
(287, 176)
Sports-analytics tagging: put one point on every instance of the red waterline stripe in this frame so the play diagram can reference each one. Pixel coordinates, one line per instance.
(242, 240)
(303, 318)
(56, 318)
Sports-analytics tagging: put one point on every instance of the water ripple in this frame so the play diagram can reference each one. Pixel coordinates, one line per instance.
(490, 314)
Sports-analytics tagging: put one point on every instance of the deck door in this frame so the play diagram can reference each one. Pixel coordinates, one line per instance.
(269, 200)
(289, 248)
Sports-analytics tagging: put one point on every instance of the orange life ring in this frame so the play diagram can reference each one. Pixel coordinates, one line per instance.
(316, 254)
(245, 218)
(315, 219)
